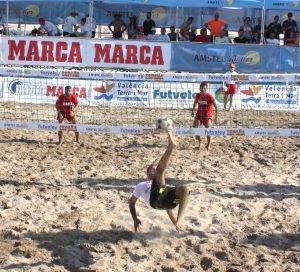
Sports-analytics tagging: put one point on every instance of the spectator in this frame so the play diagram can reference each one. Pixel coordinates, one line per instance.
(222, 38)
(66, 106)
(148, 24)
(70, 23)
(192, 34)
(163, 36)
(91, 21)
(132, 27)
(292, 40)
(152, 36)
(216, 26)
(247, 28)
(231, 87)
(119, 26)
(203, 37)
(289, 26)
(255, 38)
(204, 116)
(185, 29)
(272, 39)
(257, 28)
(241, 38)
(47, 27)
(59, 21)
(85, 30)
(140, 34)
(274, 27)
(173, 35)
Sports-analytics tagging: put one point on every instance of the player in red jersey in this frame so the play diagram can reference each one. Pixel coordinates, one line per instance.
(66, 106)
(204, 115)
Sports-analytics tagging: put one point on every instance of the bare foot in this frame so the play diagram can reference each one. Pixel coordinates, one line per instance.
(59, 143)
(207, 147)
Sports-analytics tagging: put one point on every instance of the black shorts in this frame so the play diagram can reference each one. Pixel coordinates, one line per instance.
(163, 197)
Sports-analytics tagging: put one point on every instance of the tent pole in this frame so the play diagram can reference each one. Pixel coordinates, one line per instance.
(7, 13)
(262, 27)
(91, 13)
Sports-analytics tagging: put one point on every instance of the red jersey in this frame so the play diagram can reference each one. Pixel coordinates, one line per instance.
(203, 38)
(65, 104)
(205, 106)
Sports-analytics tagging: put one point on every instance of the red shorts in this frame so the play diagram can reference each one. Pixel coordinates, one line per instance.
(198, 122)
(68, 116)
(232, 89)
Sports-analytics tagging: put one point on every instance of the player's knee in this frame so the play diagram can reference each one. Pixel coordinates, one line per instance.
(183, 190)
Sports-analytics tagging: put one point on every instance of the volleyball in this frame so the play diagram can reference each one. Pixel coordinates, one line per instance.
(164, 124)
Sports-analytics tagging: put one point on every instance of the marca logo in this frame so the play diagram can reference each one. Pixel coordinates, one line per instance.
(54, 90)
(128, 54)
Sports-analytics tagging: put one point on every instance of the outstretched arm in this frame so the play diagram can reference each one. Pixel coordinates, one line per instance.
(216, 109)
(132, 209)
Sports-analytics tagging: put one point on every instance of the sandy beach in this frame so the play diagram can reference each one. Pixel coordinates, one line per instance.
(65, 208)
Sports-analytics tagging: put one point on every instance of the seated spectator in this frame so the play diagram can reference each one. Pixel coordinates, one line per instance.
(140, 34)
(292, 40)
(152, 36)
(241, 38)
(163, 36)
(59, 21)
(85, 30)
(192, 34)
(185, 29)
(222, 38)
(203, 37)
(70, 23)
(132, 27)
(148, 24)
(247, 29)
(47, 27)
(274, 27)
(255, 38)
(216, 26)
(173, 35)
(119, 27)
(272, 39)
(93, 24)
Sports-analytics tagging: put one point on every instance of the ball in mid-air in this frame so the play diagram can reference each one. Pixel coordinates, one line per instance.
(164, 124)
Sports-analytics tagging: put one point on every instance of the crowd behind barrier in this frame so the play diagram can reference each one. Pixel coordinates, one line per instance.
(213, 31)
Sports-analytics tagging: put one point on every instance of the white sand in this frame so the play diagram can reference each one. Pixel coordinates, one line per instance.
(65, 208)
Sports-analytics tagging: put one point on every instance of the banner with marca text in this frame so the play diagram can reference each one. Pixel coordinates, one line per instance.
(80, 52)
(154, 94)
(147, 55)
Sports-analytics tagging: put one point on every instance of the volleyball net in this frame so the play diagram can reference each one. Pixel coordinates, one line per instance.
(131, 102)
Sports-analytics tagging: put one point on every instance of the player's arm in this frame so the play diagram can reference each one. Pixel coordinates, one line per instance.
(194, 106)
(136, 221)
(216, 110)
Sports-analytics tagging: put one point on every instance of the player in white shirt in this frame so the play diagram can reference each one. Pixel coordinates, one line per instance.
(70, 23)
(157, 194)
(48, 27)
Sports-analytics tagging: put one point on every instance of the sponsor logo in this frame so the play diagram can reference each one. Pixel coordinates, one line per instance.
(252, 91)
(50, 73)
(158, 77)
(133, 76)
(239, 77)
(209, 58)
(44, 51)
(188, 131)
(129, 54)
(219, 77)
(236, 132)
(292, 4)
(250, 58)
(295, 133)
(13, 86)
(174, 95)
(297, 77)
(215, 132)
(150, 131)
(70, 74)
(104, 90)
(47, 127)
(68, 127)
(16, 125)
(131, 131)
(272, 77)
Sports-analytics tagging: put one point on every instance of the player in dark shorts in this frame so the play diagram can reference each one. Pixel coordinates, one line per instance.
(157, 194)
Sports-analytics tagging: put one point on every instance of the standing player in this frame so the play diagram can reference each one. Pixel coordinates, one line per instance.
(231, 87)
(157, 194)
(66, 106)
(204, 115)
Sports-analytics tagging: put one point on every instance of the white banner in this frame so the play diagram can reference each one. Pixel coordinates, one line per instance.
(80, 52)
(265, 132)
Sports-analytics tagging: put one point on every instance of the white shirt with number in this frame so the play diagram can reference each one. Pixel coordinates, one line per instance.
(143, 190)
